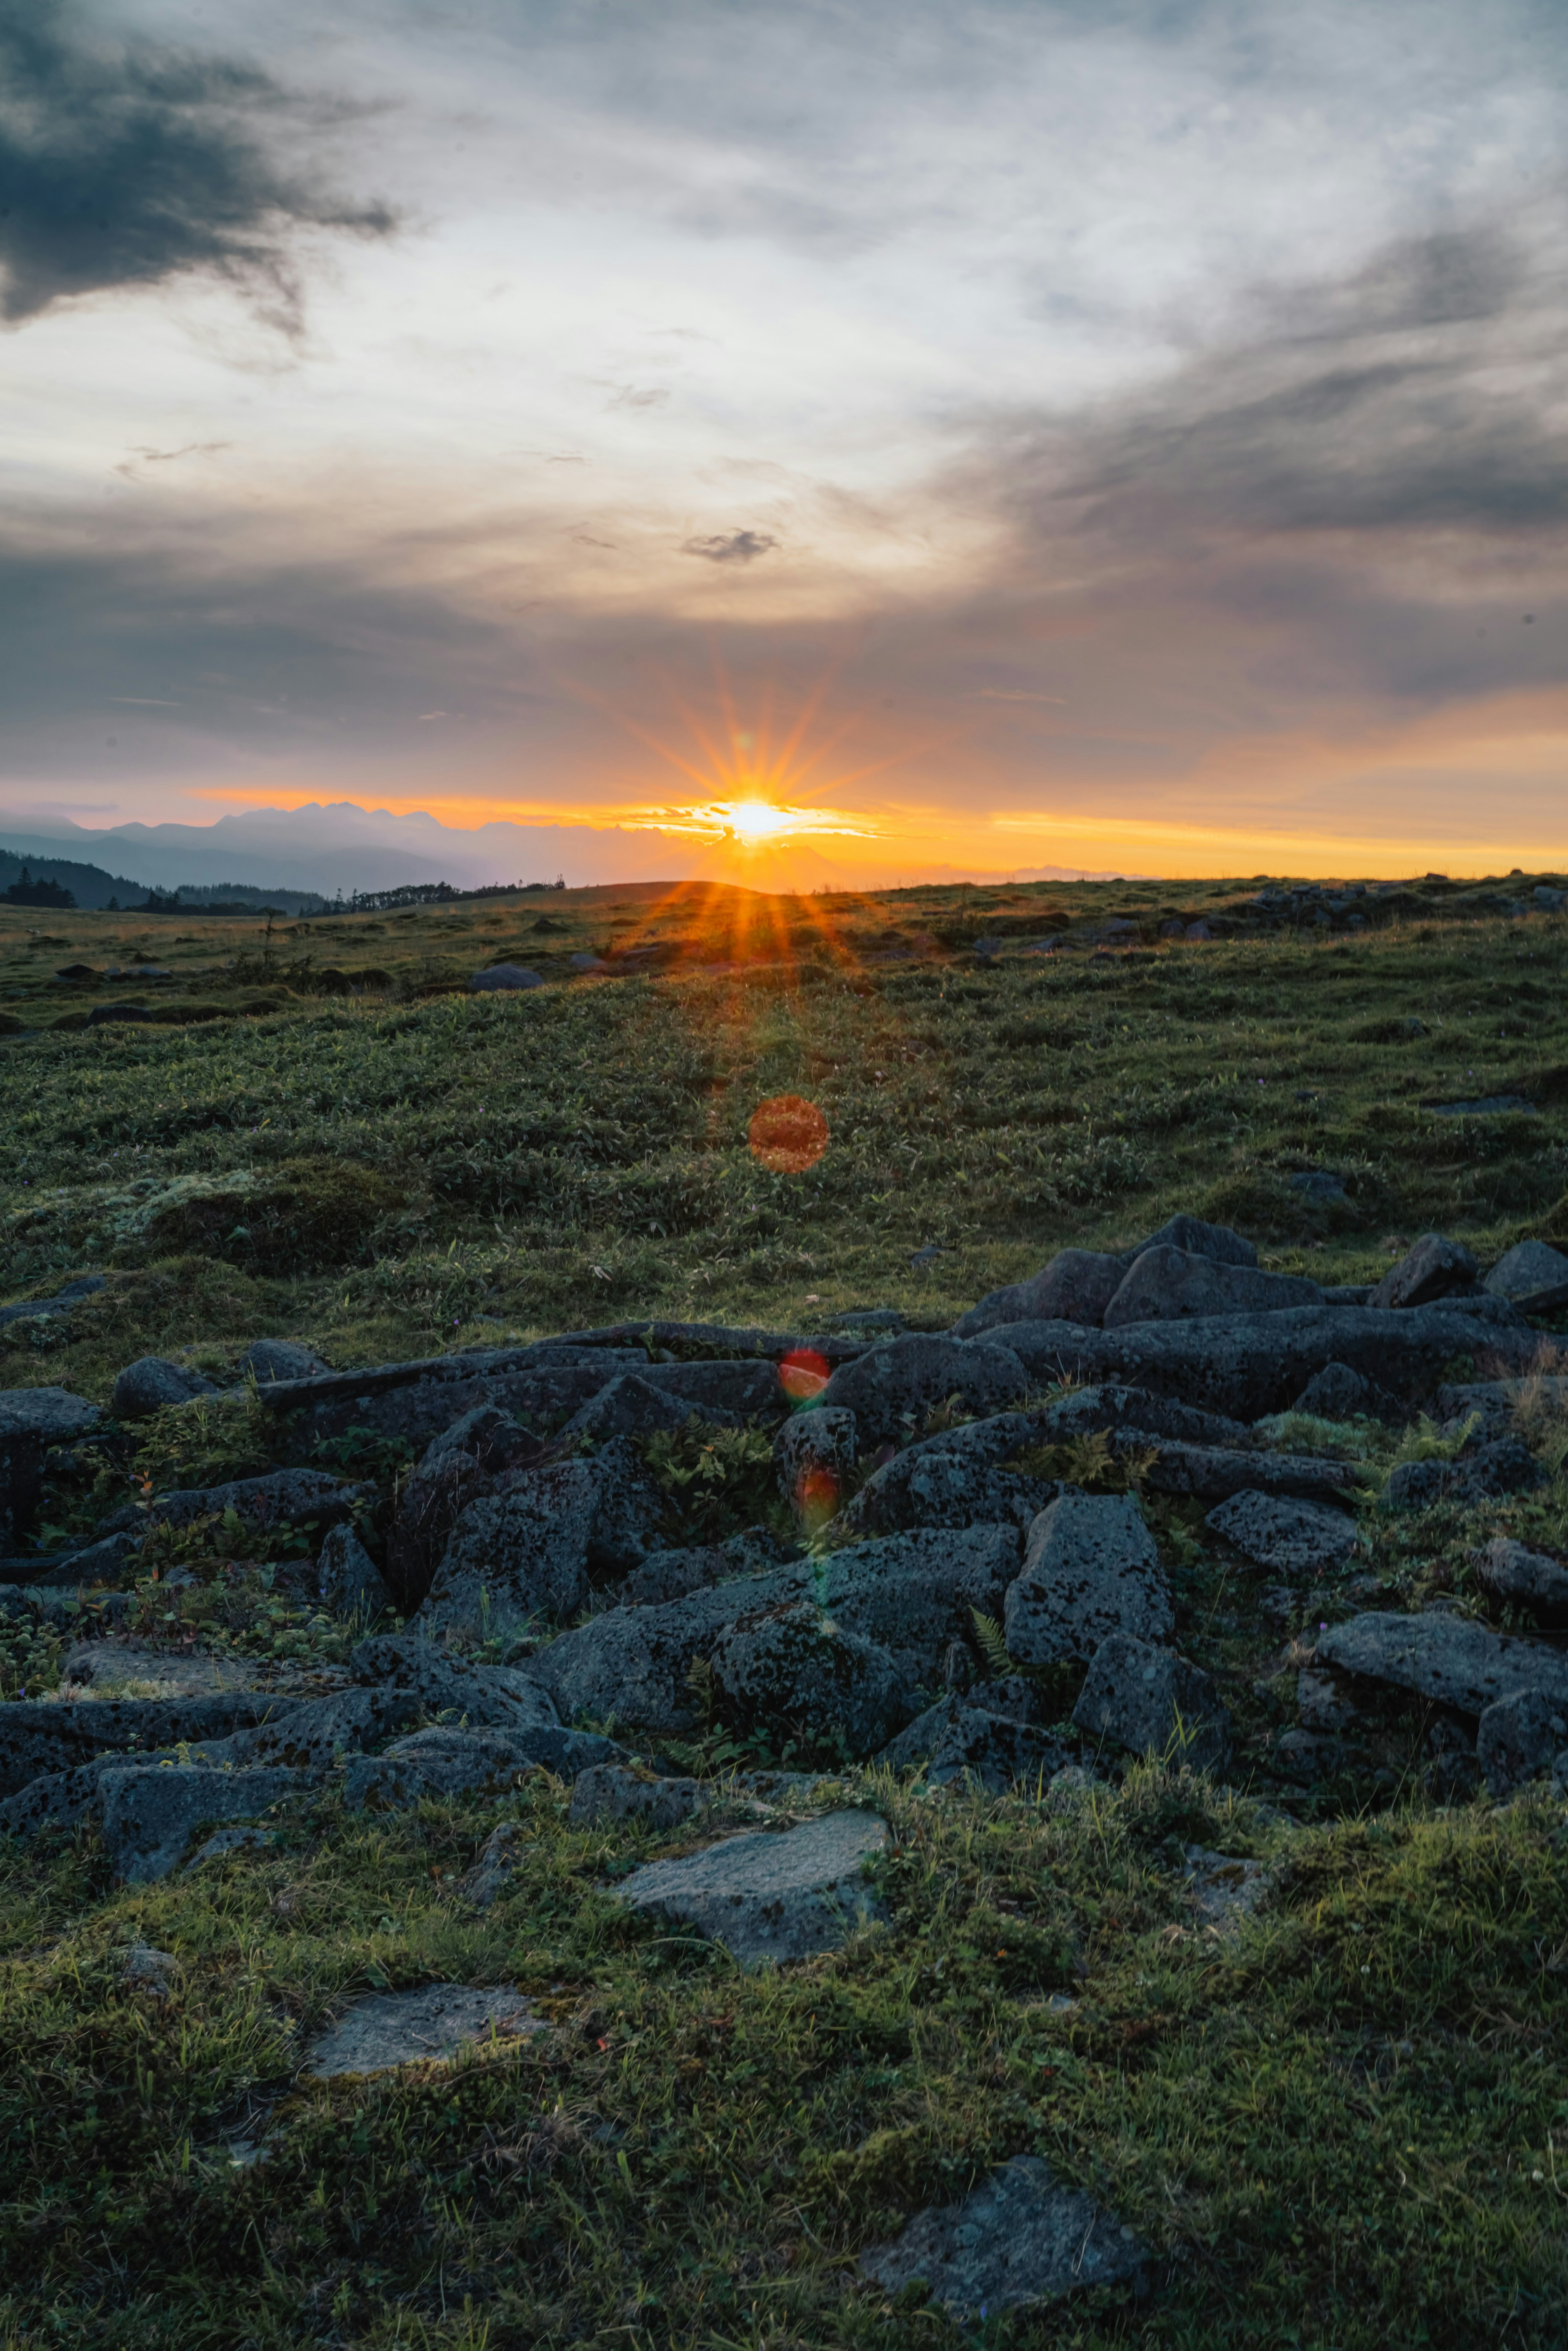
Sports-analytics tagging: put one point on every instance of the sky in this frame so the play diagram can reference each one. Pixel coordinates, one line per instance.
(795, 441)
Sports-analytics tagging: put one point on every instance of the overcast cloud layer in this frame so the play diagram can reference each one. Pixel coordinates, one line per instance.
(1140, 428)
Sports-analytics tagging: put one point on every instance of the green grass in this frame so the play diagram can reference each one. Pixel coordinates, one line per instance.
(1339, 2128)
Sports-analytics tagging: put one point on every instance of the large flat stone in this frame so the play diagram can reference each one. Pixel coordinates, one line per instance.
(429, 2024)
(150, 1812)
(40, 1737)
(1090, 1569)
(958, 1739)
(1448, 1658)
(1250, 1365)
(891, 1389)
(1294, 1538)
(769, 1897)
(1019, 2238)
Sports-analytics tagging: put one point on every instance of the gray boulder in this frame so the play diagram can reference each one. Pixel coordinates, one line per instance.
(1506, 1466)
(453, 1764)
(612, 1792)
(43, 1736)
(1017, 2240)
(1191, 1235)
(664, 1576)
(458, 1467)
(349, 1583)
(514, 1558)
(914, 1592)
(444, 1683)
(631, 1405)
(1170, 1285)
(630, 1665)
(804, 1677)
(1085, 1412)
(1212, 1473)
(1529, 1580)
(956, 1478)
(815, 1452)
(1152, 1702)
(296, 1497)
(1090, 1569)
(278, 1359)
(1435, 1267)
(1519, 1739)
(1249, 1365)
(891, 1389)
(770, 1897)
(499, 1858)
(31, 1421)
(427, 2025)
(1294, 1537)
(151, 1382)
(150, 1812)
(1336, 1393)
(1457, 1662)
(745, 1386)
(502, 978)
(1533, 1276)
(1077, 1286)
(960, 1740)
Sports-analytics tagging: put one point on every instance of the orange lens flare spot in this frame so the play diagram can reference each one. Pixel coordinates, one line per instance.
(787, 1135)
(804, 1375)
(816, 1497)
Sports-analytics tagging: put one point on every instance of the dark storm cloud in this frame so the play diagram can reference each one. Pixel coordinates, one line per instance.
(127, 165)
(731, 546)
(1420, 393)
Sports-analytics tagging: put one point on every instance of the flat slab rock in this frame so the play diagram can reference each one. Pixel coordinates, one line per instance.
(150, 1813)
(770, 1897)
(1445, 1657)
(433, 2021)
(1290, 1537)
(1019, 2238)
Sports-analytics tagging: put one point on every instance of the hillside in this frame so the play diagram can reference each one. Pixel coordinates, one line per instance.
(1154, 1706)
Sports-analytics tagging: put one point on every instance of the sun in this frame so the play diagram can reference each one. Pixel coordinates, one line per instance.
(752, 821)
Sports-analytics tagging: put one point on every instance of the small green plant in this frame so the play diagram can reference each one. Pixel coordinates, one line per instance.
(718, 1480)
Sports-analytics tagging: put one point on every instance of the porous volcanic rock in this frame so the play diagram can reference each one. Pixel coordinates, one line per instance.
(1529, 1580)
(1449, 1659)
(151, 1382)
(31, 1421)
(1018, 2239)
(611, 1792)
(1533, 1276)
(914, 1592)
(1519, 1738)
(959, 1739)
(767, 1895)
(1152, 1702)
(1090, 1569)
(448, 1761)
(806, 1678)
(529, 1553)
(1434, 1269)
(1170, 1285)
(150, 1812)
(1291, 1538)
(1076, 1287)
(891, 1389)
(630, 1665)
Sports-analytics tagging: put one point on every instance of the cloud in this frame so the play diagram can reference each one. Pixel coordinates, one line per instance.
(731, 546)
(124, 166)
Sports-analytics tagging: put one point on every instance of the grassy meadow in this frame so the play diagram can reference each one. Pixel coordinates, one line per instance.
(1339, 2125)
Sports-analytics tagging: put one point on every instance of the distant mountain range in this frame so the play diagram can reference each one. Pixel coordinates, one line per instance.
(324, 850)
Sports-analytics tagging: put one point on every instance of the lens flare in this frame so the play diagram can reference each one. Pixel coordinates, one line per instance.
(803, 1374)
(788, 1134)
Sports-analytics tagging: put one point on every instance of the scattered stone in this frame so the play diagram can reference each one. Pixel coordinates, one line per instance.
(25, 1310)
(458, 1467)
(1519, 1738)
(1322, 1703)
(891, 1388)
(31, 1421)
(1292, 1538)
(1225, 1888)
(1550, 901)
(431, 2023)
(278, 1359)
(1529, 1580)
(953, 1480)
(1077, 1286)
(1506, 1466)
(443, 1682)
(1212, 1474)
(151, 1382)
(1152, 1702)
(1320, 1185)
(294, 1497)
(41, 1738)
(150, 1812)
(147, 1969)
(1533, 1276)
(1336, 1393)
(1252, 1364)
(1434, 1269)
(1198, 1239)
(622, 1791)
(631, 1666)
(665, 1575)
(714, 1390)
(1017, 2240)
(349, 1583)
(448, 1762)
(914, 1592)
(806, 1677)
(815, 1452)
(515, 1557)
(502, 976)
(956, 1740)
(497, 1864)
(767, 1895)
(1169, 1285)
(1451, 1659)
(1090, 1569)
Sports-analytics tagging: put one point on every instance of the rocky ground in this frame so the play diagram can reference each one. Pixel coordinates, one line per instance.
(1147, 1643)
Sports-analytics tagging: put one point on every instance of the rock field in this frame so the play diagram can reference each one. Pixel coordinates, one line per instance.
(523, 1607)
